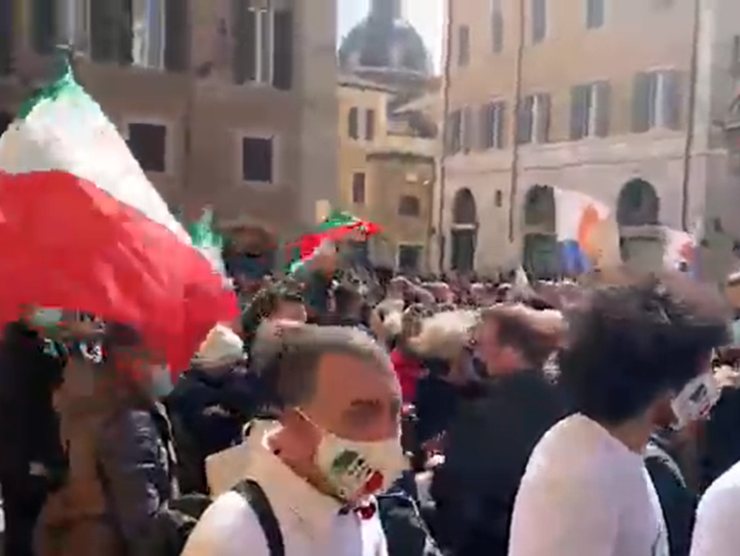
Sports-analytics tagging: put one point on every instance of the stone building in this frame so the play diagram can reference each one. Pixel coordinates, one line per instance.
(388, 135)
(618, 99)
(227, 102)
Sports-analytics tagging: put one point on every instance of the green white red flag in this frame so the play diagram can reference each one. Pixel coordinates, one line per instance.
(82, 228)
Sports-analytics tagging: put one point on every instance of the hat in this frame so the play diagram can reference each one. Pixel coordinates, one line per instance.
(221, 347)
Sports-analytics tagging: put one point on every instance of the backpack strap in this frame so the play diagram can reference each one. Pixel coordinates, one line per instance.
(256, 498)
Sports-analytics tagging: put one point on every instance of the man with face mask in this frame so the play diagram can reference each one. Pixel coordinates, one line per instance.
(336, 445)
(632, 347)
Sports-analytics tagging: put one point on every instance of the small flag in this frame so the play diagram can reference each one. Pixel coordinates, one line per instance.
(208, 241)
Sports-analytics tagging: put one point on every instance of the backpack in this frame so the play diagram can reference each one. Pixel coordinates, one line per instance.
(174, 523)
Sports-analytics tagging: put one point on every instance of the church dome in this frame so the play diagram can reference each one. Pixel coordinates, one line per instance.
(385, 45)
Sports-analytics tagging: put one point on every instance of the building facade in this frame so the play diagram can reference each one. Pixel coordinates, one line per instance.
(230, 103)
(389, 136)
(618, 99)
(387, 173)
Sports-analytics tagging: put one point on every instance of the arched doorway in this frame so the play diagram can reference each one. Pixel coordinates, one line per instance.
(638, 216)
(540, 250)
(464, 231)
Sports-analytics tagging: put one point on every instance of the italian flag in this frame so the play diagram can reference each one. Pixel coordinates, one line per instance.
(81, 228)
(337, 227)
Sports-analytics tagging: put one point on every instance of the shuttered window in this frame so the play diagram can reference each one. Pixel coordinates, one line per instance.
(454, 132)
(497, 26)
(539, 20)
(533, 121)
(358, 188)
(177, 35)
(590, 110)
(492, 125)
(353, 123)
(283, 56)
(595, 13)
(463, 45)
(111, 31)
(657, 100)
(44, 25)
(263, 44)
(468, 129)
(370, 125)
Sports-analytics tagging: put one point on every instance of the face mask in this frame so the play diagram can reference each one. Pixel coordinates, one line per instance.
(46, 318)
(696, 400)
(357, 469)
(161, 384)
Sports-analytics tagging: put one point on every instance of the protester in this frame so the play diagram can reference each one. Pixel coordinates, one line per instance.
(716, 532)
(337, 444)
(31, 456)
(491, 439)
(282, 301)
(632, 347)
(210, 405)
(121, 457)
(406, 363)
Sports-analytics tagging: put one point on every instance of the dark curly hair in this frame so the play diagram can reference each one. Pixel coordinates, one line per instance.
(630, 342)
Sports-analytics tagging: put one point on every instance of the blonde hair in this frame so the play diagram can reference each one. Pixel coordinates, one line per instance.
(444, 335)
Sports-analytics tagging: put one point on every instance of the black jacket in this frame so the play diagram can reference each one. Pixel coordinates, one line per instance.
(489, 444)
(208, 414)
(29, 426)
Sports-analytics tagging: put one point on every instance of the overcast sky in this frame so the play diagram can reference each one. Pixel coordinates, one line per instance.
(426, 15)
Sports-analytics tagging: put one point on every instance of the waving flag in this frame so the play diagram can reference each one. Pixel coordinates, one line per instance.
(586, 231)
(82, 228)
(338, 226)
(208, 241)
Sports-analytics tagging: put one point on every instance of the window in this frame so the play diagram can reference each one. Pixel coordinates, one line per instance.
(454, 132)
(6, 31)
(110, 31)
(257, 159)
(595, 13)
(353, 123)
(492, 125)
(409, 258)
(44, 19)
(148, 144)
(148, 33)
(657, 101)
(263, 44)
(497, 26)
(463, 46)
(590, 110)
(533, 121)
(539, 20)
(370, 125)
(499, 199)
(735, 60)
(409, 206)
(358, 188)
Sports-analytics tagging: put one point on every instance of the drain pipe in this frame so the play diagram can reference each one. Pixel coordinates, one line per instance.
(691, 123)
(441, 235)
(517, 109)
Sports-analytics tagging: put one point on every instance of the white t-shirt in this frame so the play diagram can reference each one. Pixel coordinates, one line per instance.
(586, 494)
(716, 532)
(311, 523)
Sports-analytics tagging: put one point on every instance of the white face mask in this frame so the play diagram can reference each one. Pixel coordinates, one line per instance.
(161, 383)
(357, 469)
(696, 400)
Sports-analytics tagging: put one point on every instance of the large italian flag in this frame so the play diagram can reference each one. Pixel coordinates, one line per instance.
(82, 228)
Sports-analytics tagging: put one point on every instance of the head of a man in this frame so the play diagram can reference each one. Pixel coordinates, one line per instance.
(513, 338)
(133, 365)
(642, 345)
(348, 301)
(341, 410)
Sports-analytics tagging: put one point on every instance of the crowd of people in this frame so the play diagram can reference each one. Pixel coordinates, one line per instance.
(385, 416)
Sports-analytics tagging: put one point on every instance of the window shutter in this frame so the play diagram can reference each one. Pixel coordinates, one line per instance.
(124, 26)
(501, 127)
(44, 17)
(641, 103)
(524, 121)
(673, 99)
(353, 123)
(603, 107)
(244, 32)
(544, 108)
(177, 40)
(485, 123)
(283, 62)
(578, 111)
(6, 31)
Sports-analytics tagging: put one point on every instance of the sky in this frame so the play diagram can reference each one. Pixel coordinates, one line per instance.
(427, 16)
